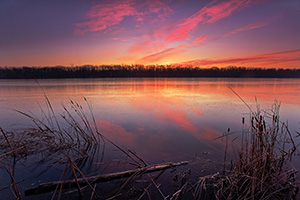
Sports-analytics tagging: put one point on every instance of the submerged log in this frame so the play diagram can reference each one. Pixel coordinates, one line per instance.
(51, 186)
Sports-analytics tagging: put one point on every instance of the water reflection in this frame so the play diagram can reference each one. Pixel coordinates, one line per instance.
(161, 119)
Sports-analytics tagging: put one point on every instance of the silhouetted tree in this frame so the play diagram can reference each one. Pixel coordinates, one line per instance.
(102, 71)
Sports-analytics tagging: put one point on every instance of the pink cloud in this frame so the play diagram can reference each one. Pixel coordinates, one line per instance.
(160, 7)
(200, 40)
(211, 13)
(214, 12)
(179, 34)
(102, 17)
(271, 59)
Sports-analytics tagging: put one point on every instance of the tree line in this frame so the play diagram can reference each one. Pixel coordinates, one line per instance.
(114, 71)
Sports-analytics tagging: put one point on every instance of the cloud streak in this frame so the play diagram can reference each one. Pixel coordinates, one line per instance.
(251, 26)
(103, 16)
(262, 60)
(211, 13)
(157, 57)
(255, 25)
(167, 53)
(200, 40)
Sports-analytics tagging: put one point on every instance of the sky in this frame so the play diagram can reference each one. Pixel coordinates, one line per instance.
(203, 33)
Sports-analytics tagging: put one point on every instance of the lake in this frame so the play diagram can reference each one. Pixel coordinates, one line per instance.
(161, 119)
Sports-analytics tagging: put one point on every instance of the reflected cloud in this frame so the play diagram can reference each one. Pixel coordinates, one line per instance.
(172, 112)
(159, 118)
(209, 134)
(175, 118)
(115, 131)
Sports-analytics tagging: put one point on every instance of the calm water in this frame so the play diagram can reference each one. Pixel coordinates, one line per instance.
(160, 119)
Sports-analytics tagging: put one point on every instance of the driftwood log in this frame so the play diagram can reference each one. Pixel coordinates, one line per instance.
(51, 186)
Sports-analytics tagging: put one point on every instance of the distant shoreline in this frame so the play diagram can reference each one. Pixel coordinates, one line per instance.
(140, 71)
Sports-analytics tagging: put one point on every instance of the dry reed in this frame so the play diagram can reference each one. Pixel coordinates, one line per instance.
(261, 170)
(70, 137)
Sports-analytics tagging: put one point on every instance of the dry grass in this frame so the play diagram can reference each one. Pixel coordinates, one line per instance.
(75, 134)
(262, 168)
(54, 142)
(67, 138)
